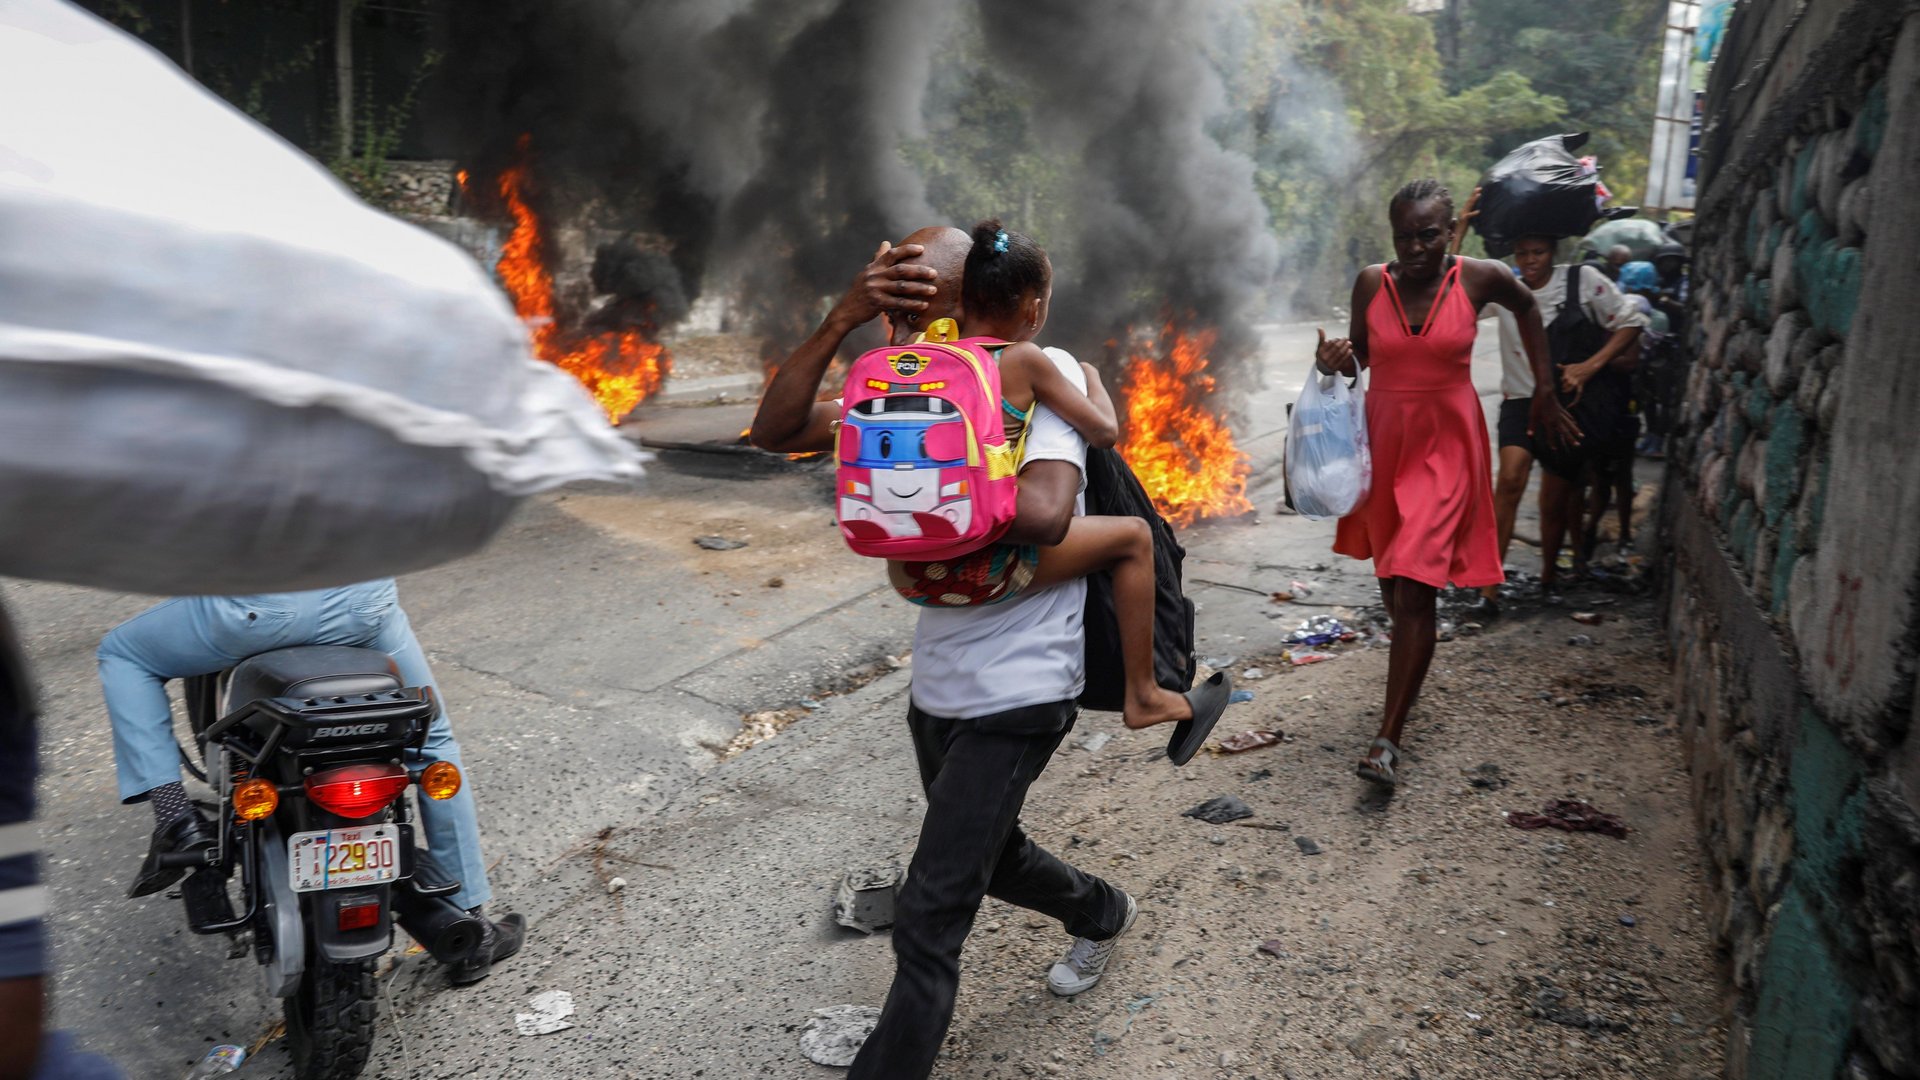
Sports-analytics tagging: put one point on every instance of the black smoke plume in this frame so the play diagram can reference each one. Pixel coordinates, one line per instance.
(762, 141)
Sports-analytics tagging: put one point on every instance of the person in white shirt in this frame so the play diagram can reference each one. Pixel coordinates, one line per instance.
(993, 692)
(1605, 312)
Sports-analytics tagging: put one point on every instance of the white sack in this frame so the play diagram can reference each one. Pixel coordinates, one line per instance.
(219, 371)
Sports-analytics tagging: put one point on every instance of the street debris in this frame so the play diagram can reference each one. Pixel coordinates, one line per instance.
(834, 1035)
(219, 1061)
(1487, 777)
(1588, 618)
(864, 899)
(1320, 630)
(1303, 659)
(776, 583)
(1218, 663)
(616, 884)
(1628, 920)
(1306, 846)
(1103, 1039)
(1549, 1004)
(719, 543)
(1272, 947)
(1254, 673)
(1239, 696)
(1248, 740)
(1301, 589)
(1093, 741)
(550, 1011)
(1580, 640)
(1220, 810)
(1282, 597)
(1570, 815)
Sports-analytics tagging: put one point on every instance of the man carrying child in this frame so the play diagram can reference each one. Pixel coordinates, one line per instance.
(993, 691)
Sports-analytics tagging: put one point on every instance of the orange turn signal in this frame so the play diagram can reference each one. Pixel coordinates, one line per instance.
(440, 780)
(255, 799)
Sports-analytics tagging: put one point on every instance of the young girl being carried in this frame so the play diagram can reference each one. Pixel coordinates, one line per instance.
(1007, 287)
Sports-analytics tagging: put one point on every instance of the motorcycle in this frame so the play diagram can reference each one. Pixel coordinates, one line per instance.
(305, 749)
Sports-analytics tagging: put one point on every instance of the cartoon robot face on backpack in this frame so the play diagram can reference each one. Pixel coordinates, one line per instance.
(903, 459)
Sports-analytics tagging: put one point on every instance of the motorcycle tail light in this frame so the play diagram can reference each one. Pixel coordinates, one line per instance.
(255, 799)
(440, 780)
(358, 914)
(357, 791)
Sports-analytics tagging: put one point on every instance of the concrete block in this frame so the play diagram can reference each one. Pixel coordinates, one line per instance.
(1786, 283)
(1752, 461)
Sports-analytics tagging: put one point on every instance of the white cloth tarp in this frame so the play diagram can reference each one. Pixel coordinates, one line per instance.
(219, 371)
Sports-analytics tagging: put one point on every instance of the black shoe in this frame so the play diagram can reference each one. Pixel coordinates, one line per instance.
(190, 831)
(498, 940)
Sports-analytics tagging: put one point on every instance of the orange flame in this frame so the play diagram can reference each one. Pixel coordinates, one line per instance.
(1180, 449)
(618, 369)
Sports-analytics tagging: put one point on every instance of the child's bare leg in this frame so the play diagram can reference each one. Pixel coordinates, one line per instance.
(1124, 546)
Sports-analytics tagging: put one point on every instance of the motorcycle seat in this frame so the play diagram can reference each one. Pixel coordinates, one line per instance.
(312, 671)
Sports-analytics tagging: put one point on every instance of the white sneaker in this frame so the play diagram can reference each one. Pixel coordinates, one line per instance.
(1087, 960)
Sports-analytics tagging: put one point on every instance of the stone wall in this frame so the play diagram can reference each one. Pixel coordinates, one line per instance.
(1792, 524)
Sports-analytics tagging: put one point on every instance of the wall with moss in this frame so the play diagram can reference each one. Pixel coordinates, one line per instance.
(1792, 524)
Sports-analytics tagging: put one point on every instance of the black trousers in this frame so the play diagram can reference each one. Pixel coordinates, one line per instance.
(976, 773)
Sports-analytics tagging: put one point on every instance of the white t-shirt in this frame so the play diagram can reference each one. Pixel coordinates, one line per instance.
(1031, 650)
(1605, 304)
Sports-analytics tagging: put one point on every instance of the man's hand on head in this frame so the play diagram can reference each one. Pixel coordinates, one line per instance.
(888, 284)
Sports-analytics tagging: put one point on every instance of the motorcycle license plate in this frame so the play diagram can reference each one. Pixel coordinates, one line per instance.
(344, 858)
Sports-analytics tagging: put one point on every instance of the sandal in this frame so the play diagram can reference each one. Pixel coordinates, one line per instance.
(1379, 769)
(1209, 701)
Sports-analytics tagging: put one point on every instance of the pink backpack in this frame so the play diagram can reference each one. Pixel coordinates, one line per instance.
(926, 472)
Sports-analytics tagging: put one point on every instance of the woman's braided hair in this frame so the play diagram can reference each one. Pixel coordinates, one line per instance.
(1419, 191)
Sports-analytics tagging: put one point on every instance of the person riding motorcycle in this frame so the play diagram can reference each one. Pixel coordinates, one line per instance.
(199, 635)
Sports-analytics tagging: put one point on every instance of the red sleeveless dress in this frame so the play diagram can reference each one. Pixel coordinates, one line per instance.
(1430, 516)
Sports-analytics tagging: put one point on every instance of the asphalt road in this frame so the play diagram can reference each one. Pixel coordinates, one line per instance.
(593, 656)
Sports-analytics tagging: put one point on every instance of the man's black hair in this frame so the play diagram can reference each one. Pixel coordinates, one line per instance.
(1002, 268)
(1419, 191)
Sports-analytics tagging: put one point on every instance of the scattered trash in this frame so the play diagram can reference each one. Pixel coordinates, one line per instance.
(1259, 775)
(1548, 1005)
(864, 899)
(1487, 777)
(219, 1061)
(1306, 846)
(1239, 696)
(1580, 640)
(550, 1011)
(808, 704)
(1588, 618)
(1303, 659)
(1254, 673)
(1219, 811)
(1281, 597)
(776, 583)
(1103, 1039)
(614, 885)
(1272, 947)
(1570, 815)
(1628, 920)
(1248, 740)
(834, 1036)
(719, 543)
(1095, 741)
(1218, 663)
(1301, 588)
(1320, 630)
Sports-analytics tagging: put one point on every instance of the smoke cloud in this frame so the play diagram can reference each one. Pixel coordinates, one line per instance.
(763, 141)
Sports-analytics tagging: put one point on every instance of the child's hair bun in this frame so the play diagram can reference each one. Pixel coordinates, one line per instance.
(984, 235)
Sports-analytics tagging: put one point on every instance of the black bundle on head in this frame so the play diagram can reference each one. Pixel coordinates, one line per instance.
(1419, 191)
(1003, 268)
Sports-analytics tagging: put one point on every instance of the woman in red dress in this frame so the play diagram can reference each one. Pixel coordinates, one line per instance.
(1429, 519)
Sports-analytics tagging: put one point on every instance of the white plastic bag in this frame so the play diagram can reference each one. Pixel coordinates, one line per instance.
(222, 373)
(1329, 469)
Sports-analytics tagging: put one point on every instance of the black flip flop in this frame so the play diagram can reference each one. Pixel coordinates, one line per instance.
(1209, 701)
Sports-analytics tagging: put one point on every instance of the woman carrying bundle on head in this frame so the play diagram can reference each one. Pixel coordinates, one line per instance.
(1430, 518)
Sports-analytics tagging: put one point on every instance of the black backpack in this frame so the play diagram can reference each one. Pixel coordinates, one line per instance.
(1604, 409)
(1114, 491)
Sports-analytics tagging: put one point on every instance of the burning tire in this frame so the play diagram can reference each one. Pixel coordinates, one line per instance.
(330, 1020)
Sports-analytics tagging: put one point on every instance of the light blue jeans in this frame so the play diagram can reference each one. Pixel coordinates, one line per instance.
(199, 635)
